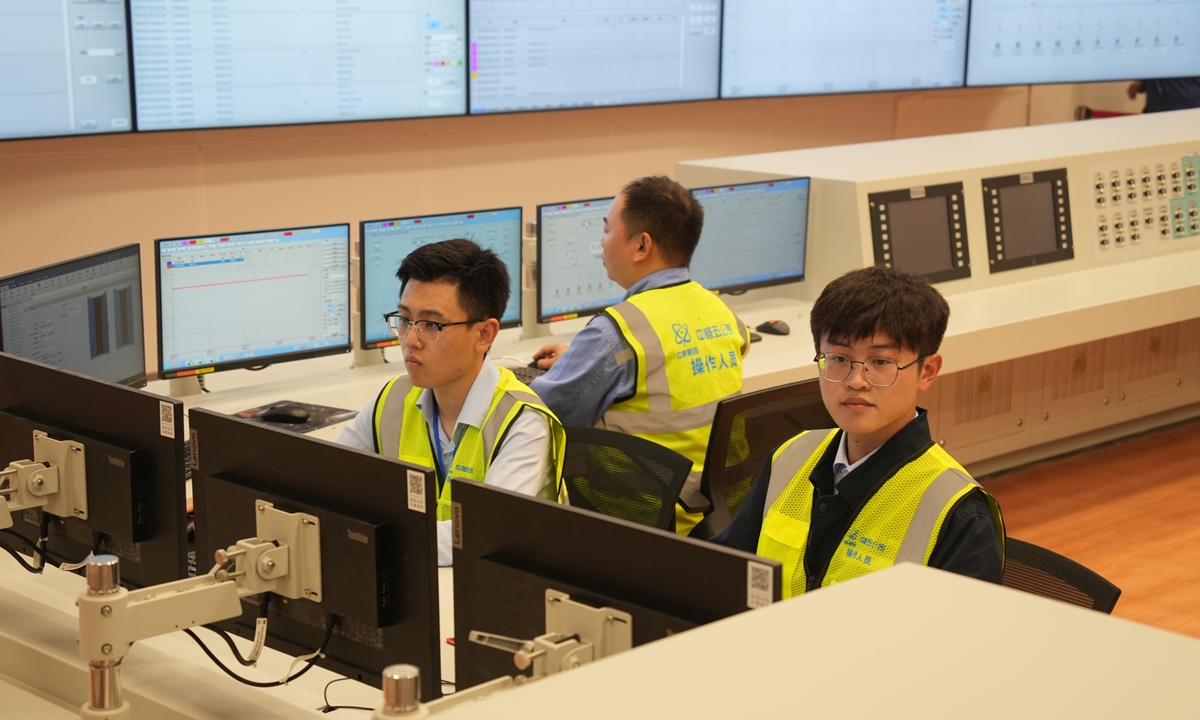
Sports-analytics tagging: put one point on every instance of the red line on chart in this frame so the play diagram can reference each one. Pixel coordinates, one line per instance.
(238, 282)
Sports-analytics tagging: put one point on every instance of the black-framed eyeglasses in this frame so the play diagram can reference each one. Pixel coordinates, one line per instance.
(880, 372)
(428, 330)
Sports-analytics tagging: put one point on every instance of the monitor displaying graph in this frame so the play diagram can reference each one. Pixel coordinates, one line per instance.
(548, 55)
(222, 63)
(1063, 41)
(571, 278)
(806, 47)
(385, 244)
(252, 299)
(755, 235)
(84, 314)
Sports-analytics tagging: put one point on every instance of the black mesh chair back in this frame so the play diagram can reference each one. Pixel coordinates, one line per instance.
(746, 430)
(624, 476)
(1043, 572)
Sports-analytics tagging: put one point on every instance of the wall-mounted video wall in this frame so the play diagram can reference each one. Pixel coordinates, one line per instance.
(108, 66)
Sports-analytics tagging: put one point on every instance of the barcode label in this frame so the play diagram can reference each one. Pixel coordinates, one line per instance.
(760, 585)
(166, 419)
(416, 491)
(456, 525)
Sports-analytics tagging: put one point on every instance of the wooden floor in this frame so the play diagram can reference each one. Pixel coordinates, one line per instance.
(1129, 511)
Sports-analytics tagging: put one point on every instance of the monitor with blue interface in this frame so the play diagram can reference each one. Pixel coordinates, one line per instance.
(755, 235)
(64, 69)
(385, 243)
(84, 315)
(571, 278)
(1018, 42)
(808, 47)
(252, 299)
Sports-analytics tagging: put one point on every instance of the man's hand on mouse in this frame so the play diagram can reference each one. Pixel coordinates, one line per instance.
(547, 356)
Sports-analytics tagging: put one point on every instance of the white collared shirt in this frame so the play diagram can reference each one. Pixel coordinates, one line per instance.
(841, 462)
(522, 464)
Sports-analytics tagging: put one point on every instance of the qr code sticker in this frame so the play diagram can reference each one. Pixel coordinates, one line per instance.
(760, 585)
(166, 419)
(416, 491)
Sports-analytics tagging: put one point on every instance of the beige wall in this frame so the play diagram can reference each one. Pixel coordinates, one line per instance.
(62, 198)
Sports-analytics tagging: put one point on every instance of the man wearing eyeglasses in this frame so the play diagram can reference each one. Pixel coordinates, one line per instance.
(455, 411)
(832, 505)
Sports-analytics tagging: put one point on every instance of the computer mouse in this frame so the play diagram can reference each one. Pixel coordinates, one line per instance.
(774, 327)
(289, 413)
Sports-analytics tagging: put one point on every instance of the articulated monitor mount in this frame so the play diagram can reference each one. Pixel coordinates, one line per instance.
(55, 481)
(284, 558)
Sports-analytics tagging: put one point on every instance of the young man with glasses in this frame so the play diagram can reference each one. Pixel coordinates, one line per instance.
(456, 412)
(832, 505)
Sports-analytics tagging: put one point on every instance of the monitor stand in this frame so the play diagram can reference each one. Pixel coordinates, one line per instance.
(184, 386)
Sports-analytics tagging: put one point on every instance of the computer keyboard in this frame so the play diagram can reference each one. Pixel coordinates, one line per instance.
(526, 374)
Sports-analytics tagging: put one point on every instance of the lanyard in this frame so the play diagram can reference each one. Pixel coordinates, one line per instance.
(437, 439)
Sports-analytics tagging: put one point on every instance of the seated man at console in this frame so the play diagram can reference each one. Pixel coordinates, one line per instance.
(455, 411)
(656, 364)
(832, 505)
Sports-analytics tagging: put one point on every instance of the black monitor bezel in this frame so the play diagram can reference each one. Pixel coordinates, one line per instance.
(585, 312)
(256, 362)
(774, 281)
(58, 399)
(953, 192)
(281, 462)
(363, 343)
(998, 260)
(627, 566)
(134, 381)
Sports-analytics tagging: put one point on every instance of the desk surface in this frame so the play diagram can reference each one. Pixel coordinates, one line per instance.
(909, 642)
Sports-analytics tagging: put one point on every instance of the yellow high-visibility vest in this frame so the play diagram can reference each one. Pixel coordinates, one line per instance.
(689, 347)
(401, 432)
(899, 523)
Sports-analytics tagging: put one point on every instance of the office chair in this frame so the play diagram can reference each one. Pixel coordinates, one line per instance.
(746, 430)
(1039, 571)
(623, 476)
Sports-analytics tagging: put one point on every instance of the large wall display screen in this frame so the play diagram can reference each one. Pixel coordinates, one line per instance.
(546, 55)
(224, 63)
(64, 68)
(1018, 42)
(803, 47)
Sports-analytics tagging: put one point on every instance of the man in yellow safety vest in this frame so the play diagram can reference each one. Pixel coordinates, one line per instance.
(656, 364)
(832, 505)
(455, 411)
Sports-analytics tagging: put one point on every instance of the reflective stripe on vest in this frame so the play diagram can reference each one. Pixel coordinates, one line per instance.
(401, 432)
(901, 522)
(689, 347)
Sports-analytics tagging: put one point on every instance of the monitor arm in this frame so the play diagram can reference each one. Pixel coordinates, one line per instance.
(284, 558)
(55, 480)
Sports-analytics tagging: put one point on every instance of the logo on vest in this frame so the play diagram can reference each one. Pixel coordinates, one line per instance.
(464, 469)
(682, 333)
(857, 546)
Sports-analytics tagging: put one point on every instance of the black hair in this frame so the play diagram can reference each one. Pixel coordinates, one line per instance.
(479, 275)
(668, 212)
(881, 300)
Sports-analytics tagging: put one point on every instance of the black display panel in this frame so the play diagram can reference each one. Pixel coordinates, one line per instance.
(922, 231)
(1028, 219)
(134, 453)
(510, 548)
(378, 543)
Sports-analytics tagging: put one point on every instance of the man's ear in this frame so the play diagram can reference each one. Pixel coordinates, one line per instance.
(488, 329)
(645, 246)
(929, 372)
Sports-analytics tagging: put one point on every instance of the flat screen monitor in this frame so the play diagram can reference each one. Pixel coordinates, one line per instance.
(807, 47)
(571, 279)
(227, 63)
(133, 453)
(378, 543)
(552, 55)
(252, 299)
(510, 548)
(1017, 42)
(84, 315)
(1029, 219)
(385, 243)
(754, 235)
(64, 69)
(922, 231)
